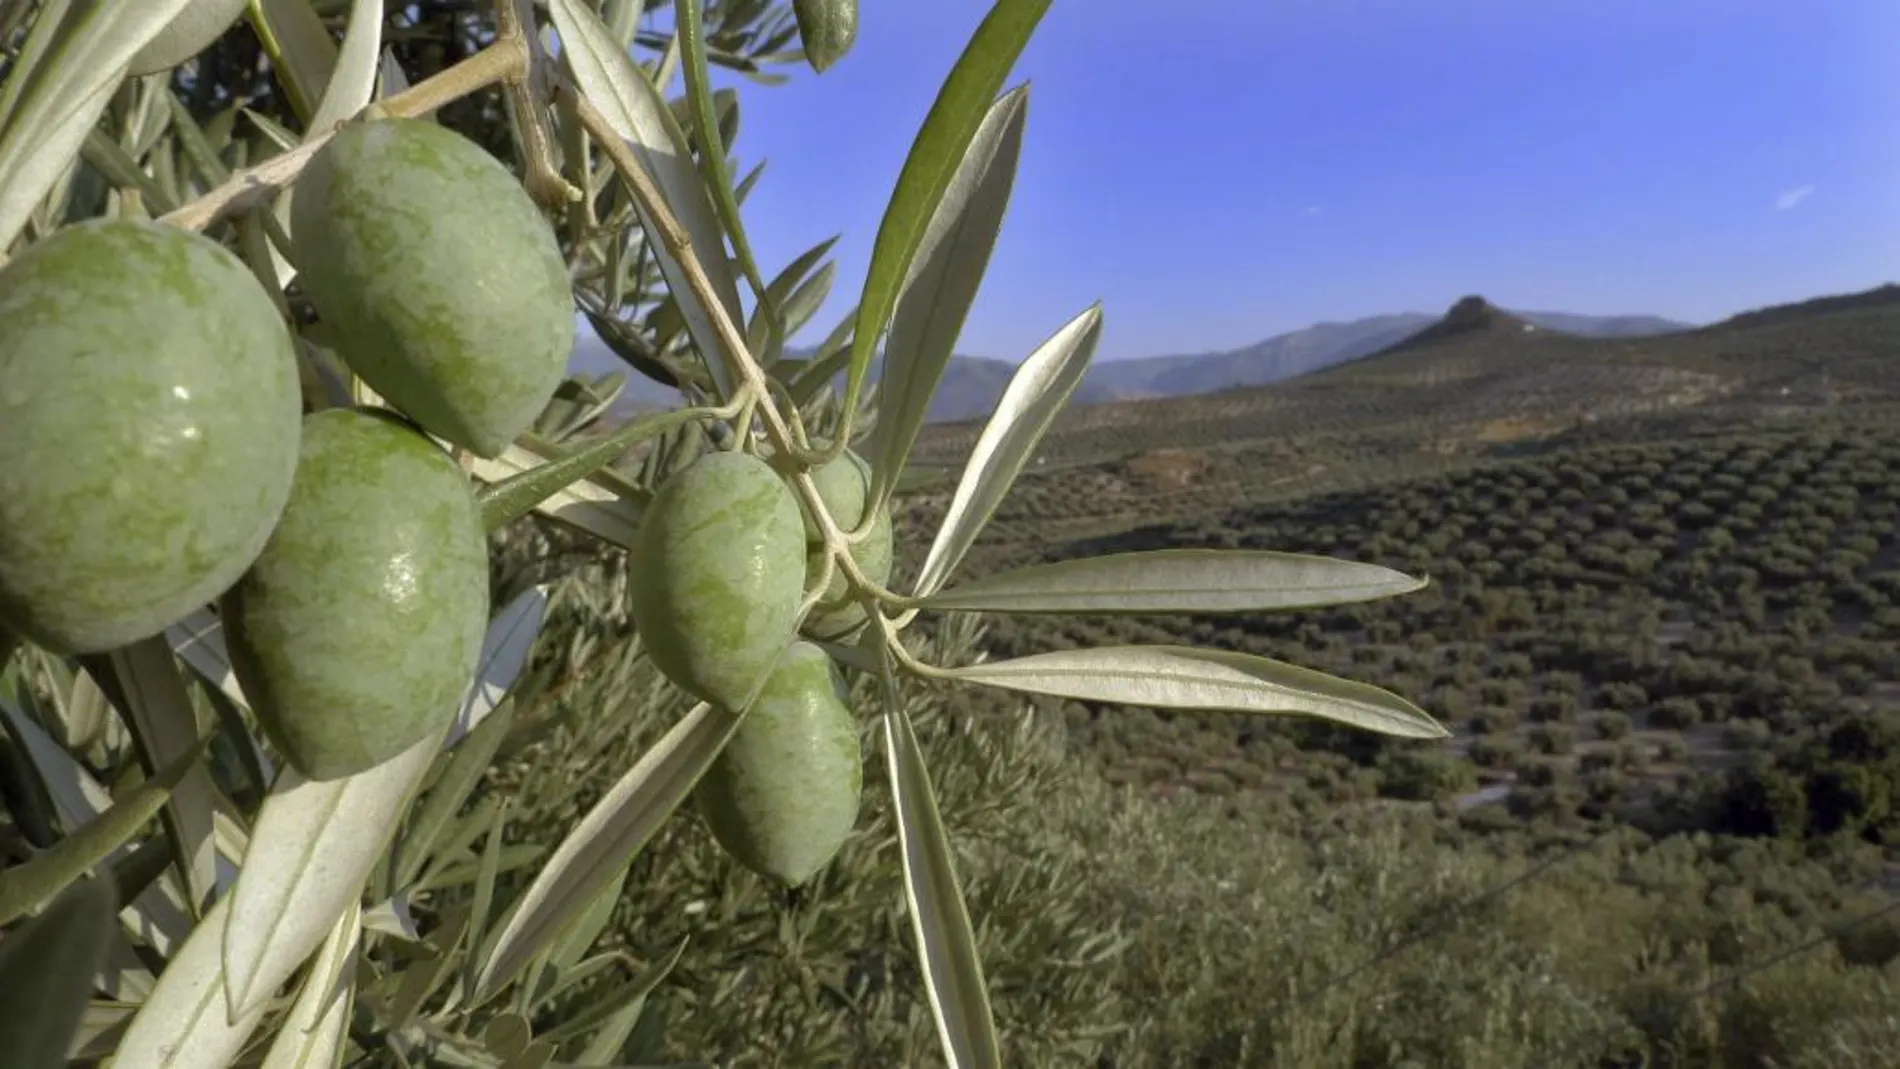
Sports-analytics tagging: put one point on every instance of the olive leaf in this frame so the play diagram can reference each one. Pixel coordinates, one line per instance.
(46, 970)
(944, 278)
(575, 488)
(390, 78)
(827, 28)
(67, 71)
(159, 919)
(713, 139)
(183, 1024)
(1036, 392)
(117, 166)
(744, 187)
(805, 301)
(634, 108)
(554, 967)
(460, 775)
(279, 135)
(1177, 580)
(485, 876)
(87, 713)
(504, 653)
(200, 23)
(302, 55)
(101, 1024)
(75, 795)
(315, 1031)
(958, 112)
(199, 152)
(312, 847)
(198, 640)
(351, 82)
(793, 274)
(423, 979)
(617, 828)
(630, 994)
(946, 941)
(822, 369)
(1181, 677)
(27, 885)
(773, 310)
(144, 682)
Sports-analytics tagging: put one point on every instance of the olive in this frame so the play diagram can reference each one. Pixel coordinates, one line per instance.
(357, 632)
(437, 275)
(149, 421)
(717, 569)
(783, 795)
(838, 615)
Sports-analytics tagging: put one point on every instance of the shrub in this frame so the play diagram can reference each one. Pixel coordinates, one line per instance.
(1613, 726)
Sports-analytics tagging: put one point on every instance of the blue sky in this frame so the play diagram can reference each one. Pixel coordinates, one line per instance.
(1218, 171)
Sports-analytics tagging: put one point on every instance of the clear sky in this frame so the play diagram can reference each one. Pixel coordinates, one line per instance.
(1218, 171)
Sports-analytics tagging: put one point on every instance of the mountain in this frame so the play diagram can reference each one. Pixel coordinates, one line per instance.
(1482, 377)
(970, 388)
(972, 385)
(1323, 345)
(1280, 357)
(1876, 298)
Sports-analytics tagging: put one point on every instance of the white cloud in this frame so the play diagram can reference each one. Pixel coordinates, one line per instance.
(1791, 197)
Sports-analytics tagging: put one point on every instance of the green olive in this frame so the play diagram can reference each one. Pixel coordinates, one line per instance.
(149, 418)
(838, 616)
(842, 486)
(439, 277)
(718, 568)
(357, 632)
(783, 795)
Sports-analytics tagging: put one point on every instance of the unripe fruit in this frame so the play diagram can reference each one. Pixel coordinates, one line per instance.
(842, 486)
(438, 276)
(357, 631)
(783, 795)
(718, 568)
(149, 410)
(839, 616)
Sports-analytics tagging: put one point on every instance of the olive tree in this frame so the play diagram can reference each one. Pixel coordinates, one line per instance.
(273, 385)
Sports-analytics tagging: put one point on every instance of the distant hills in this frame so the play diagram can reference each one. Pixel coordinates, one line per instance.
(972, 385)
(1480, 377)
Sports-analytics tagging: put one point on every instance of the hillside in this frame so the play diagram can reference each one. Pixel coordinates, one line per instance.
(973, 384)
(1480, 376)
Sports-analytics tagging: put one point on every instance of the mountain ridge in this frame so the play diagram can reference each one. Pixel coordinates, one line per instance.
(973, 384)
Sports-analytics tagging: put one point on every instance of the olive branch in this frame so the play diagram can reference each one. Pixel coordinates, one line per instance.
(287, 916)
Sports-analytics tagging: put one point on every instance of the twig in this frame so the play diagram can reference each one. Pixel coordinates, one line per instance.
(254, 184)
(527, 88)
(673, 235)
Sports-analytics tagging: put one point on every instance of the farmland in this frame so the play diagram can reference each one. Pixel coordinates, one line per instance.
(1663, 623)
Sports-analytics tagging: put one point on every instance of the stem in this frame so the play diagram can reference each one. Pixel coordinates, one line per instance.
(673, 235)
(255, 184)
(527, 88)
(905, 659)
